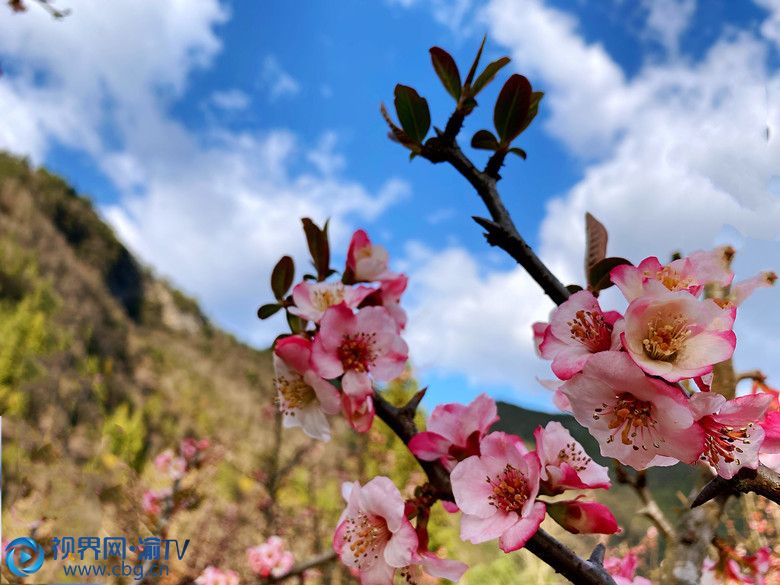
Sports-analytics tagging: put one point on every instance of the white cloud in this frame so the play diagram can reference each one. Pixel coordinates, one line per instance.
(230, 100)
(667, 20)
(212, 209)
(673, 159)
(278, 82)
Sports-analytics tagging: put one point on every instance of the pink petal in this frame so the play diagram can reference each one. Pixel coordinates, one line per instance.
(429, 446)
(326, 363)
(357, 384)
(470, 489)
(381, 498)
(516, 536)
(295, 351)
(477, 530)
(443, 568)
(402, 546)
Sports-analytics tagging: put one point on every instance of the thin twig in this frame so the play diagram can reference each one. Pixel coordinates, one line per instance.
(651, 509)
(755, 375)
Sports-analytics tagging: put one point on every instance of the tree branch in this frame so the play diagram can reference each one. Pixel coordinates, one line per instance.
(762, 481)
(501, 231)
(544, 546)
(651, 510)
(755, 375)
(301, 568)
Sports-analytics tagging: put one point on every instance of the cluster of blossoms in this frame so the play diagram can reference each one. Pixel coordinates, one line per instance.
(175, 465)
(497, 483)
(270, 559)
(217, 576)
(734, 566)
(632, 379)
(623, 570)
(355, 342)
(348, 338)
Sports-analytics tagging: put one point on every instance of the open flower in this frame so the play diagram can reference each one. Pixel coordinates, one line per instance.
(583, 517)
(359, 411)
(359, 345)
(455, 431)
(675, 336)
(304, 397)
(743, 289)
(564, 463)
(688, 274)
(496, 491)
(578, 328)
(312, 299)
(373, 534)
(732, 436)
(366, 261)
(638, 420)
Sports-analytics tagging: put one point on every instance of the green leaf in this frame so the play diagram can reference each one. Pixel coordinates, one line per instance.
(267, 310)
(473, 70)
(511, 109)
(282, 277)
(447, 70)
(519, 152)
(533, 109)
(297, 325)
(413, 112)
(598, 275)
(487, 75)
(484, 140)
(319, 248)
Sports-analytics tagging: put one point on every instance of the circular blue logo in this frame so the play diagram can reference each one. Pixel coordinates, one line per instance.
(23, 556)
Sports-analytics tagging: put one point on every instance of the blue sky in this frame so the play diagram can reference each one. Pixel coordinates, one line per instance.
(204, 129)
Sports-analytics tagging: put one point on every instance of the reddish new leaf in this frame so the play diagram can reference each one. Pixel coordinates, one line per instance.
(511, 111)
(413, 112)
(282, 277)
(596, 239)
(447, 70)
(484, 140)
(488, 74)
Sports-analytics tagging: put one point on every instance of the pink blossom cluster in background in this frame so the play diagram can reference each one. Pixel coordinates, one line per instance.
(217, 576)
(734, 566)
(640, 381)
(175, 465)
(270, 559)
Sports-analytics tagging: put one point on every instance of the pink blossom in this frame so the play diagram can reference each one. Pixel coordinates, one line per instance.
(675, 336)
(564, 463)
(312, 299)
(359, 411)
(217, 576)
(270, 559)
(152, 501)
(743, 289)
(168, 463)
(623, 570)
(359, 345)
(578, 328)
(438, 567)
(582, 517)
(304, 397)
(732, 437)
(366, 261)
(539, 329)
(373, 534)
(769, 454)
(390, 291)
(191, 448)
(560, 400)
(638, 420)
(688, 274)
(496, 491)
(455, 431)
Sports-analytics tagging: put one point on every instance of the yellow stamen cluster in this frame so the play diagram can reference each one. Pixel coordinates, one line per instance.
(630, 418)
(327, 296)
(294, 393)
(366, 537)
(574, 455)
(590, 329)
(510, 490)
(666, 336)
(356, 352)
